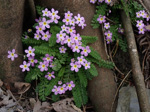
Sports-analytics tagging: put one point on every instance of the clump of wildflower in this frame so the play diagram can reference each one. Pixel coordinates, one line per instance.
(12, 55)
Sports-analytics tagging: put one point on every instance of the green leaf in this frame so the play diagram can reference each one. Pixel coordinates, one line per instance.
(54, 30)
(61, 72)
(88, 39)
(93, 70)
(56, 66)
(50, 86)
(82, 77)
(33, 74)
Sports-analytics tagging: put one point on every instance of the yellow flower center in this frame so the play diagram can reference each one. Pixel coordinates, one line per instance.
(32, 60)
(67, 20)
(25, 66)
(43, 66)
(85, 50)
(12, 54)
(69, 85)
(76, 47)
(30, 51)
(75, 66)
(76, 38)
(44, 23)
(49, 75)
(61, 88)
(45, 36)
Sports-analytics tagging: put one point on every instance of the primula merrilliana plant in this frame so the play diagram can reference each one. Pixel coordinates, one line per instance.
(58, 56)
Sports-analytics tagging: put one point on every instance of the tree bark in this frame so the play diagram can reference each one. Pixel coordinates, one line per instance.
(11, 18)
(136, 69)
(147, 4)
(102, 88)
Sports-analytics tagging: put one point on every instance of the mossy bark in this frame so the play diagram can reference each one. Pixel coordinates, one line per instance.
(102, 88)
(11, 18)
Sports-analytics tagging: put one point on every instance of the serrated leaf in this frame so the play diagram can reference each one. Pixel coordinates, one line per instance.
(93, 70)
(61, 72)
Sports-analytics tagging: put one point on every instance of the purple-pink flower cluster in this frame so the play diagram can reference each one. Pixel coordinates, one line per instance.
(102, 20)
(62, 88)
(31, 59)
(44, 23)
(140, 24)
(47, 62)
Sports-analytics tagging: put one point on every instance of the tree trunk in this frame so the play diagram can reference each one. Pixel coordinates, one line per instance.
(136, 69)
(102, 88)
(11, 18)
(147, 4)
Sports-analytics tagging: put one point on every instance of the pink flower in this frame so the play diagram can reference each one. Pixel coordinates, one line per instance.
(59, 82)
(45, 23)
(46, 36)
(109, 40)
(12, 55)
(37, 36)
(48, 58)
(46, 12)
(138, 14)
(49, 75)
(143, 13)
(43, 66)
(81, 60)
(75, 66)
(32, 61)
(70, 85)
(62, 49)
(55, 90)
(108, 34)
(139, 23)
(106, 25)
(64, 28)
(25, 66)
(67, 21)
(68, 14)
(101, 19)
(86, 65)
(39, 29)
(62, 89)
(85, 51)
(76, 48)
(30, 51)
(71, 30)
(141, 30)
(79, 19)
